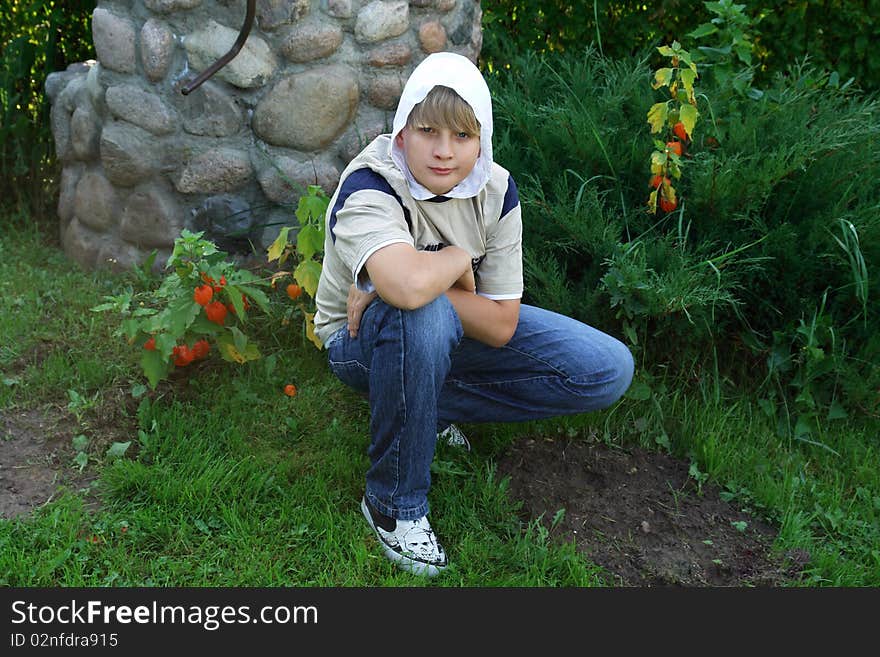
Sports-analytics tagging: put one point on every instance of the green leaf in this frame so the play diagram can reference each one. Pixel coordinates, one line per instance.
(767, 406)
(228, 352)
(309, 241)
(658, 161)
(80, 442)
(81, 459)
(155, 366)
(165, 344)
(180, 314)
(258, 297)
(130, 327)
(703, 30)
(307, 274)
(239, 339)
(201, 326)
(312, 206)
(687, 80)
(274, 252)
(802, 428)
(662, 78)
(663, 441)
(639, 391)
(657, 116)
(837, 412)
(237, 303)
(117, 450)
(688, 116)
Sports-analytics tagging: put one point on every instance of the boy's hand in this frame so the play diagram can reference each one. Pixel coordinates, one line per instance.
(355, 305)
(467, 282)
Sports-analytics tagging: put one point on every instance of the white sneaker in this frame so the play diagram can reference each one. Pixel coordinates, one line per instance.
(454, 437)
(411, 544)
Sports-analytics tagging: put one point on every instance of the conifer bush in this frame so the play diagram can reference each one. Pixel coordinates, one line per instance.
(770, 260)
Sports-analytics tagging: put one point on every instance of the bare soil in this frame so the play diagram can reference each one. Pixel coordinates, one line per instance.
(36, 459)
(640, 516)
(37, 454)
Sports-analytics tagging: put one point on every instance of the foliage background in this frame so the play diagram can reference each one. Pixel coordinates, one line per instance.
(836, 34)
(37, 37)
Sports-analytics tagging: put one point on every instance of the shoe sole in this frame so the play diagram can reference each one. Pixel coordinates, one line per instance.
(403, 562)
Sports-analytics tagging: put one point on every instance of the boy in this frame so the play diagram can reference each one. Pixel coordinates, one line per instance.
(419, 302)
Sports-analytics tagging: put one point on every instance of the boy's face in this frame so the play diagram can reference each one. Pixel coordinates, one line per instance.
(438, 158)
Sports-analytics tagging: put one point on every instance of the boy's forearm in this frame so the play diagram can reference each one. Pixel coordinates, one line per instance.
(483, 319)
(409, 279)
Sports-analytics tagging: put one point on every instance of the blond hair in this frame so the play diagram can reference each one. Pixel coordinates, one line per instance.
(443, 108)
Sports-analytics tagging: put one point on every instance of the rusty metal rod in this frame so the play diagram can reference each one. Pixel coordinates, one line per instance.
(225, 59)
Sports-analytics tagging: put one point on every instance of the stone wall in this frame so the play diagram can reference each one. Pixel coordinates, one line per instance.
(315, 81)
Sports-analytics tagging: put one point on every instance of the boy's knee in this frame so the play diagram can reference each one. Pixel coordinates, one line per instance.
(623, 369)
(433, 326)
(611, 375)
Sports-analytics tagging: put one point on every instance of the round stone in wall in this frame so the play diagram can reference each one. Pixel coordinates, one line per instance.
(272, 14)
(70, 176)
(384, 91)
(168, 6)
(432, 36)
(211, 112)
(146, 110)
(307, 111)
(381, 20)
(283, 179)
(391, 54)
(251, 67)
(82, 243)
(96, 202)
(157, 47)
(114, 38)
(311, 40)
(214, 171)
(84, 130)
(151, 218)
(128, 153)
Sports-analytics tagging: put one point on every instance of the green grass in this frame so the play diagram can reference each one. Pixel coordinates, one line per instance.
(231, 483)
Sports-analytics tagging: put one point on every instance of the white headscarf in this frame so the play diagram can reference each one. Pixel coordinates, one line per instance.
(457, 72)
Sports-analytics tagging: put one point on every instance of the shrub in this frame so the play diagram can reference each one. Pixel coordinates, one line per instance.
(771, 253)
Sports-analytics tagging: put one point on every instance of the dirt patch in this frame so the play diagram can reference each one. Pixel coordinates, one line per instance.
(37, 450)
(36, 459)
(640, 516)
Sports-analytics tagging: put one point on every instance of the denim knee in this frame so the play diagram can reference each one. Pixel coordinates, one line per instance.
(429, 331)
(611, 375)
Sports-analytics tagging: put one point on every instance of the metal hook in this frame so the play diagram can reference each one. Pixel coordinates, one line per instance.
(225, 59)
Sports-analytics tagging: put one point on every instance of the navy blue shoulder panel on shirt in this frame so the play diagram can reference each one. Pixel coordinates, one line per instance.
(357, 181)
(511, 198)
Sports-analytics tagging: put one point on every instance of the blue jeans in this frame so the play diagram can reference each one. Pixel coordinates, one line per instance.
(421, 375)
